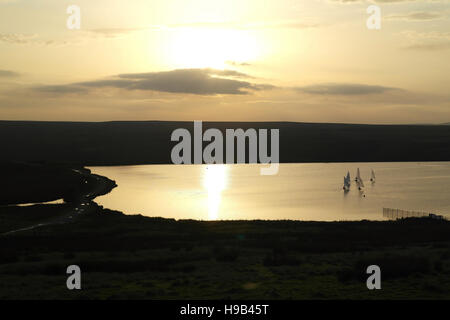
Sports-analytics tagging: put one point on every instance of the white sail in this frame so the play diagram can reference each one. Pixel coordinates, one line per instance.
(372, 176)
(360, 183)
(346, 186)
(358, 176)
(348, 177)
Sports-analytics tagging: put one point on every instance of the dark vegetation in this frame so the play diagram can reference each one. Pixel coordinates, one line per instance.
(155, 258)
(147, 142)
(15, 217)
(37, 182)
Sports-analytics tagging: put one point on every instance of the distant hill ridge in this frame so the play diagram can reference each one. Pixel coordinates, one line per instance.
(148, 142)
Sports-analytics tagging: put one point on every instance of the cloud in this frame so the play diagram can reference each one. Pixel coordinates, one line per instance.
(81, 36)
(17, 38)
(432, 46)
(112, 32)
(76, 37)
(397, 1)
(238, 64)
(289, 24)
(191, 81)
(426, 41)
(187, 72)
(8, 74)
(343, 89)
(60, 89)
(376, 1)
(416, 16)
(31, 39)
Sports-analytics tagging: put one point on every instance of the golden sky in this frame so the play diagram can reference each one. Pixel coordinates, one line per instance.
(257, 60)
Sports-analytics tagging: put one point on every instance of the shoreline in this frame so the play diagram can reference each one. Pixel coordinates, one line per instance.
(73, 206)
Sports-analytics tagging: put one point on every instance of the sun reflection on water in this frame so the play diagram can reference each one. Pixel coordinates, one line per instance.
(214, 181)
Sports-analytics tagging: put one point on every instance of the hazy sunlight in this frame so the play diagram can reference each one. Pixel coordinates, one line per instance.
(214, 182)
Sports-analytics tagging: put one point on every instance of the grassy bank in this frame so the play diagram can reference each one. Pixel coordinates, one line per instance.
(125, 257)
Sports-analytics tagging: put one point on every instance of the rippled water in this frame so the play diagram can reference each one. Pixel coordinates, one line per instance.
(307, 191)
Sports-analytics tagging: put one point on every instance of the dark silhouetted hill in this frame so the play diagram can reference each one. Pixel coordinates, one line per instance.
(148, 142)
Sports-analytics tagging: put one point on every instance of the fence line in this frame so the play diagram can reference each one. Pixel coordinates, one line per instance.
(395, 214)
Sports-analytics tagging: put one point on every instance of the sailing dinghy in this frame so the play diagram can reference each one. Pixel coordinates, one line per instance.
(359, 181)
(346, 186)
(372, 176)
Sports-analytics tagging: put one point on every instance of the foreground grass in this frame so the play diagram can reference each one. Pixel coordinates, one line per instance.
(123, 257)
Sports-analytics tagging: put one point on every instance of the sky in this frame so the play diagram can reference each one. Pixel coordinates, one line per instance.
(232, 60)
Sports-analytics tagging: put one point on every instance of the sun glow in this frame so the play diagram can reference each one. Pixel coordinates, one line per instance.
(210, 48)
(215, 182)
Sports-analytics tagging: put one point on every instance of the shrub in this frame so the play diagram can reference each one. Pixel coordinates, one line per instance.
(392, 266)
(7, 256)
(280, 257)
(226, 254)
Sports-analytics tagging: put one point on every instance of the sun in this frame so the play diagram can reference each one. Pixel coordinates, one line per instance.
(210, 47)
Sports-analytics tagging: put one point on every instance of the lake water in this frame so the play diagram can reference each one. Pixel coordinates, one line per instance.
(306, 191)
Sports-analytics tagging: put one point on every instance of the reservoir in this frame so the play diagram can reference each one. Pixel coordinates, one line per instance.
(300, 191)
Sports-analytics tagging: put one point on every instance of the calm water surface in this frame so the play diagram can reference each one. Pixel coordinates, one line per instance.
(299, 191)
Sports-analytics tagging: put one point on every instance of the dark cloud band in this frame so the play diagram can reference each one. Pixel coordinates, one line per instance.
(192, 81)
(343, 89)
(8, 74)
